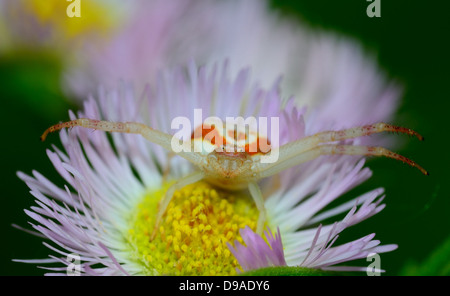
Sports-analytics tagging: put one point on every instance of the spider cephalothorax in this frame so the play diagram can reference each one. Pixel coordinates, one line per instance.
(229, 163)
(232, 166)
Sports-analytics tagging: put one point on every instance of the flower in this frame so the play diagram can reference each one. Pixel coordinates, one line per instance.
(106, 211)
(258, 253)
(47, 23)
(319, 255)
(132, 41)
(322, 70)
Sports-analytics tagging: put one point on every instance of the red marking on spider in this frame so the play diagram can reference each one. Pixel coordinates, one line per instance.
(211, 134)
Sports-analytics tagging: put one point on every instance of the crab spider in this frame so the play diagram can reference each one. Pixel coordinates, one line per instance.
(241, 170)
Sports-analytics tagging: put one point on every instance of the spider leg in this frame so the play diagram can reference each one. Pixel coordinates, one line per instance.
(189, 179)
(166, 169)
(257, 196)
(312, 141)
(365, 130)
(266, 170)
(162, 139)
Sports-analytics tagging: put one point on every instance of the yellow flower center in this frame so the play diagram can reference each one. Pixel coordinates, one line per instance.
(192, 238)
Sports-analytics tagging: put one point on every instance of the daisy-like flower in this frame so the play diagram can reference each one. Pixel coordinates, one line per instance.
(319, 69)
(106, 211)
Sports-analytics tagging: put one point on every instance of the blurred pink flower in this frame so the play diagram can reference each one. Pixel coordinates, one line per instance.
(320, 69)
(106, 180)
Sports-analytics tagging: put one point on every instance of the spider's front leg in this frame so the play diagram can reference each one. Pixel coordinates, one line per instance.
(157, 137)
(334, 136)
(266, 170)
(162, 139)
(311, 147)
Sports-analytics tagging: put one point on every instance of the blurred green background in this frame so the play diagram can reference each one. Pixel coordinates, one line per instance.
(411, 40)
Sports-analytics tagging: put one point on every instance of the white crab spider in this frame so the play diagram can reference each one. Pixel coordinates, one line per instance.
(240, 169)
